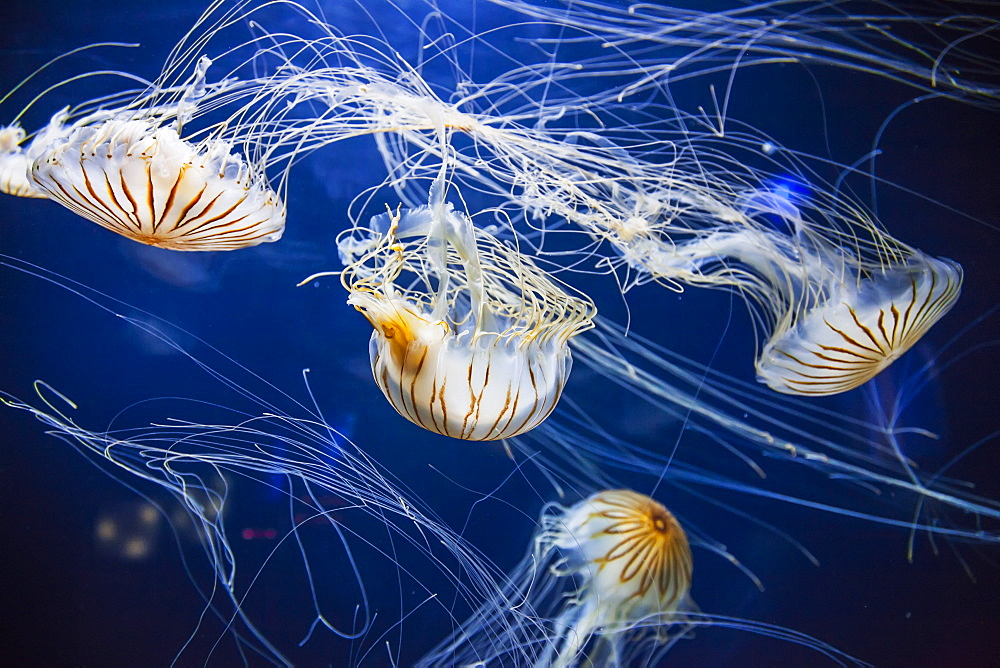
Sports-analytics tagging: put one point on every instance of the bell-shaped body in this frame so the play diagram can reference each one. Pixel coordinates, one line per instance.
(146, 183)
(606, 583)
(633, 554)
(633, 562)
(476, 388)
(15, 165)
(860, 329)
(476, 345)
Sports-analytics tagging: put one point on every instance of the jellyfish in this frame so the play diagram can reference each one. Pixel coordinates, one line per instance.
(180, 163)
(634, 563)
(129, 170)
(484, 355)
(859, 328)
(606, 581)
(151, 186)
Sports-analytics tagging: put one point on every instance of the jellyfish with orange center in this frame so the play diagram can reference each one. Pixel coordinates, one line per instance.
(606, 582)
(635, 562)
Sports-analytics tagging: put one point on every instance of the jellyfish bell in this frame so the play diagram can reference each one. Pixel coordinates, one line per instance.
(495, 388)
(15, 164)
(860, 329)
(623, 537)
(150, 185)
(475, 347)
(635, 562)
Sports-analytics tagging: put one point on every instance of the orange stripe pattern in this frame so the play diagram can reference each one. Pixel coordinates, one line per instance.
(477, 390)
(639, 555)
(153, 187)
(847, 341)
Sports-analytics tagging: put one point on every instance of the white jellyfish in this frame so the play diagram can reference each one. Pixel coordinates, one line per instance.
(834, 316)
(128, 169)
(150, 185)
(634, 562)
(859, 328)
(606, 582)
(182, 162)
(470, 338)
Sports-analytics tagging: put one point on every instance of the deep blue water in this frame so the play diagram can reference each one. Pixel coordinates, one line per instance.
(70, 601)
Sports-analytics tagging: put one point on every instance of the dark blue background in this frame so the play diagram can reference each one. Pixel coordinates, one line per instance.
(66, 603)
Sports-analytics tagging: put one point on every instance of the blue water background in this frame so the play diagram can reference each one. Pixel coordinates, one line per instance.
(67, 603)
